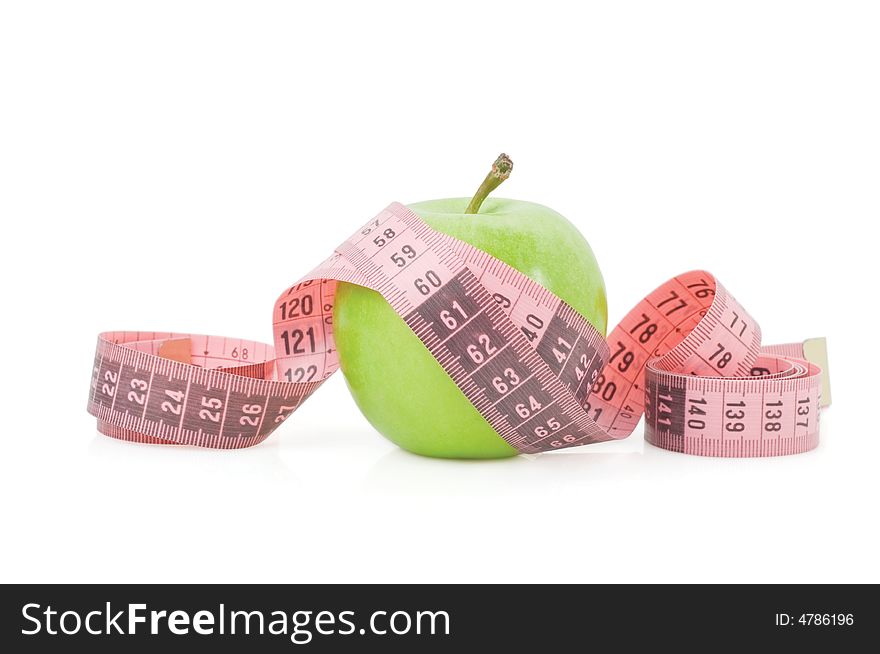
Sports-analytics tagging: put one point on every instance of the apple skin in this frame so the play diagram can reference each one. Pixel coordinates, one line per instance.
(396, 382)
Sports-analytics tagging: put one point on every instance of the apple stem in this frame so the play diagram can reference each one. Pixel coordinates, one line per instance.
(500, 171)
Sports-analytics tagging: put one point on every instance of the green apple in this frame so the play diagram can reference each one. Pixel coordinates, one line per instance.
(398, 386)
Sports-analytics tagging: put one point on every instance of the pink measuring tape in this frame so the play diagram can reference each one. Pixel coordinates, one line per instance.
(688, 357)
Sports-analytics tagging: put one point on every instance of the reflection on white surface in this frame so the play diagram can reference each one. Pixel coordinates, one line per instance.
(318, 504)
(169, 462)
(399, 471)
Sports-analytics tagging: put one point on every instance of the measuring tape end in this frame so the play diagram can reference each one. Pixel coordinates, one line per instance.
(816, 352)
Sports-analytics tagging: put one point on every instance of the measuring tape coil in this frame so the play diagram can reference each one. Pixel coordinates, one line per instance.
(688, 356)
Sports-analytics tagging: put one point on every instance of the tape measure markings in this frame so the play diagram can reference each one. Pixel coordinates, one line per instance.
(537, 370)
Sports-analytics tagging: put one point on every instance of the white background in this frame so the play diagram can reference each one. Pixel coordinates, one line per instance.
(174, 165)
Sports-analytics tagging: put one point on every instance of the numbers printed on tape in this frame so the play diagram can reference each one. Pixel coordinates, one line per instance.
(688, 357)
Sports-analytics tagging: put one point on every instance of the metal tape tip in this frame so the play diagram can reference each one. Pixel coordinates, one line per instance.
(816, 351)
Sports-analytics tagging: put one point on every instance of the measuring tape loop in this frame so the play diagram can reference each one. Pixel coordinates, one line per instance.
(688, 357)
